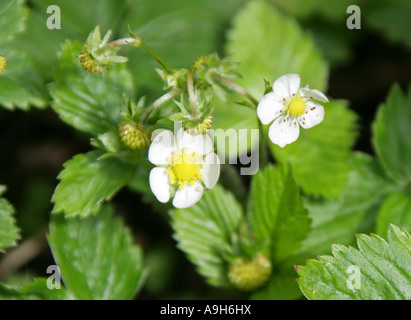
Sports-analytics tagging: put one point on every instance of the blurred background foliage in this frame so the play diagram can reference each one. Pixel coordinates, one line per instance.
(34, 142)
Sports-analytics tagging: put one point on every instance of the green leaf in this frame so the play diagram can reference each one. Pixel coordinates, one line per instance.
(281, 286)
(267, 45)
(396, 209)
(89, 102)
(228, 119)
(87, 181)
(76, 23)
(391, 19)
(180, 31)
(36, 290)
(11, 293)
(21, 83)
(383, 270)
(96, 256)
(206, 231)
(332, 11)
(276, 212)
(9, 233)
(12, 19)
(279, 220)
(320, 156)
(391, 130)
(324, 19)
(273, 45)
(39, 288)
(337, 220)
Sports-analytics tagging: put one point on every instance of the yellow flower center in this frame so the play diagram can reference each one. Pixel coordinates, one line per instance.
(184, 168)
(296, 106)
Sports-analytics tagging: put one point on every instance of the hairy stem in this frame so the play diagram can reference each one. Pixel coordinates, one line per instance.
(121, 42)
(191, 95)
(156, 56)
(235, 87)
(156, 104)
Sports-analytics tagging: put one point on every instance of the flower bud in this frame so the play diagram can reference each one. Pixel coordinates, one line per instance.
(196, 112)
(98, 53)
(250, 275)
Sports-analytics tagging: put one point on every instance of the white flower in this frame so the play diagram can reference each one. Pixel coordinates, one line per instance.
(288, 107)
(185, 164)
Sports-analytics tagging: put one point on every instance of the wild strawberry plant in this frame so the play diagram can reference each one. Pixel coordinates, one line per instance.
(242, 153)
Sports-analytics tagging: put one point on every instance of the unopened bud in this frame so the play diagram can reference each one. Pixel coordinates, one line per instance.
(134, 137)
(250, 275)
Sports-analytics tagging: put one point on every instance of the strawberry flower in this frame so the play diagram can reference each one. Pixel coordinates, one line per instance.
(288, 107)
(185, 166)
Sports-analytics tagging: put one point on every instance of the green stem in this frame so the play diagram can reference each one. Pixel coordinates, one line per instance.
(136, 42)
(121, 42)
(156, 104)
(160, 60)
(191, 95)
(235, 86)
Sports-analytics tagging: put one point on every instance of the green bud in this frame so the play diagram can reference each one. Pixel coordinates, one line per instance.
(134, 136)
(174, 80)
(250, 275)
(97, 53)
(199, 121)
(213, 63)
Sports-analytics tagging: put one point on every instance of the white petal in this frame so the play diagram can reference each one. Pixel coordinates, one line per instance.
(287, 85)
(283, 132)
(269, 107)
(200, 143)
(315, 114)
(159, 184)
(313, 93)
(161, 148)
(188, 196)
(211, 170)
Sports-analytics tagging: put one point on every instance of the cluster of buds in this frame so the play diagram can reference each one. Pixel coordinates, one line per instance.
(250, 275)
(175, 80)
(195, 86)
(209, 66)
(196, 111)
